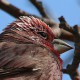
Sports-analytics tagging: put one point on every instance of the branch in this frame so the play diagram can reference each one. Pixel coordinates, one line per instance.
(72, 69)
(67, 35)
(39, 7)
(64, 25)
(16, 12)
(12, 10)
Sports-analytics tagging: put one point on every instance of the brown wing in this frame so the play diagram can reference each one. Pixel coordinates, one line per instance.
(18, 55)
(24, 55)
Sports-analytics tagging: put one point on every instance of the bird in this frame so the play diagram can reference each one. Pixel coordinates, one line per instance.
(28, 51)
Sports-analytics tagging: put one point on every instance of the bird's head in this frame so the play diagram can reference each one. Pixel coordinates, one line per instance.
(33, 30)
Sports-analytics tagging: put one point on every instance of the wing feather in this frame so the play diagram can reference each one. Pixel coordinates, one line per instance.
(15, 55)
(20, 55)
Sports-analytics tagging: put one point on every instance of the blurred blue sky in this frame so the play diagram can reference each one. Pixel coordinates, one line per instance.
(70, 9)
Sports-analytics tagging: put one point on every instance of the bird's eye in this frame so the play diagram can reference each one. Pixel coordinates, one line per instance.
(43, 34)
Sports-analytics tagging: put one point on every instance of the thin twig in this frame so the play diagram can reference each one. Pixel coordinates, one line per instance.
(39, 6)
(63, 24)
(12, 10)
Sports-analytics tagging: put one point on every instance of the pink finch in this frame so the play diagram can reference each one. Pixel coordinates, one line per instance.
(28, 51)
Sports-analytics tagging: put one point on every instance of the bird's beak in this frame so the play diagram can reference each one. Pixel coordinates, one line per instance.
(61, 46)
